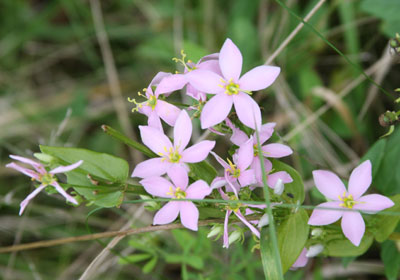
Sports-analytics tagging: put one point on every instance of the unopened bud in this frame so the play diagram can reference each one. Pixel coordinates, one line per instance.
(316, 232)
(388, 118)
(264, 221)
(234, 236)
(279, 187)
(215, 230)
(314, 250)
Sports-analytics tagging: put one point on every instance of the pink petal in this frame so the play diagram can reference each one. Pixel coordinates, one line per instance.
(171, 83)
(198, 152)
(157, 78)
(157, 186)
(218, 183)
(283, 175)
(151, 167)
(38, 166)
(276, 150)
(182, 130)
(215, 110)
(256, 166)
(245, 155)
(194, 93)
(25, 202)
(244, 221)
(154, 121)
(329, 184)
(220, 160)
(238, 137)
(198, 190)
(266, 132)
(167, 214)
(230, 60)
(247, 177)
(189, 215)
(259, 78)
(64, 193)
(213, 56)
(301, 260)
(179, 176)
(353, 227)
(373, 203)
(205, 81)
(63, 169)
(210, 65)
(23, 170)
(360, 179)
(168, 112)
(232, 185)
(247, 110)
(154, 139)
(321, 217)
(226, 236)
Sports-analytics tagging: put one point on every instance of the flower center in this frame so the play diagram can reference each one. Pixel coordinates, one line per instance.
(348, 201)
(151, 101)
(235, 172)
(233, 206)
(46, 178)
(171, 154)
(231, 88)
(178, 193)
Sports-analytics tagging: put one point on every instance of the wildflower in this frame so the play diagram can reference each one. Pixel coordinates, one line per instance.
(179, 189)
(231, 89)
(43, 177)
(171, 155)
(331, 186)
(301, 261)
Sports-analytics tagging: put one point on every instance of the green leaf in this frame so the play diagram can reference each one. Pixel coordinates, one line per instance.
(208, 212)
(193, 260)
(270, 265)
(375, 154)
(149, 266)
(292, 237)
(134, 258)
(342, 247)
(296, 188)
(108, 167)
(390, 256)
(203, 170)
(384, 225)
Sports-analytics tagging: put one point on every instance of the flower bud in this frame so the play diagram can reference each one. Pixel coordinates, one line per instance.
(314, 250)
(316, 232)
(279, 187)
(215, 230)
(264, 221)
(234, 236)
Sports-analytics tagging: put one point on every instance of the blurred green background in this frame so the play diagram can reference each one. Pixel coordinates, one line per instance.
(55, 90)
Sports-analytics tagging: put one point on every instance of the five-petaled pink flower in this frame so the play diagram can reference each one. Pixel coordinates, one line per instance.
(231, 89)
(171, 155)
(43, 177)
(331, 186)
(161, 187)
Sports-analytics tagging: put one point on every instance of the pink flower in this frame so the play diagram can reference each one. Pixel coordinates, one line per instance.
(231, 89)
(41, 175)
(301, 261)
(274, 150)
(178, 189)
(171, 155)
(153, 107)
(331, 186)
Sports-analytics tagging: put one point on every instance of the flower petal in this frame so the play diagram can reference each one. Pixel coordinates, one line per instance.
(63, 169)
(245, 155)
(157, 186)
(220, 160)
(353, 227)
(167, 214)
(64, 193)
(23, 170)
(182, 130)
(26, 201)
(276, 150)
(151, 167)
(259, 77)
(215, 110)
(38, 166)
(266, 132)
(301, 260)
(256, 166)
(154, 121)
(230, 60)
(273, 178)
(171, 83)
(189, 215)
(198, 190)
(238, 137)
(320, 217)
(210, 65)
(329, 184)
(154, 139)
(244, 221)
(205, 81)
(178, 176)
(158, 77)
(168, 112)
(247, 177)
(198, 152)
(373, 203)
(360, 179)
(247, 110)
(226, 236)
